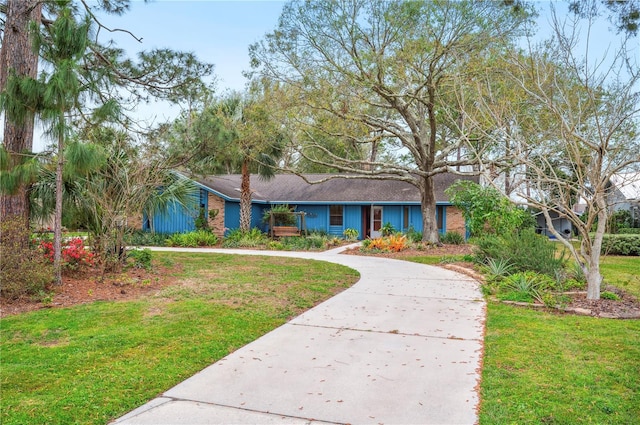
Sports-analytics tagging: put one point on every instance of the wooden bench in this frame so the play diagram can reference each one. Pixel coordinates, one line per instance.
(280, 231)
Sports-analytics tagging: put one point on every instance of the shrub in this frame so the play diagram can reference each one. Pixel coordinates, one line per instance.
(387, 229)
(486, 210)
(413, 235)
(498, 268)
(629, 231)
(192, 239)
(525, 250)
(313, 241)
(526, 286)
(142, 238)
(607, 295)
(621, 245)
(74, 254)
(577, 273)
(351, 234)
(393, 243)
(23, 268)
(201, 221)
(452, 238)
(140, 258)
(250, 239)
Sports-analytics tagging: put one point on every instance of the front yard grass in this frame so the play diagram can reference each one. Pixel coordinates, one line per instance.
(92, 363)
(622, 272)
(546, 368)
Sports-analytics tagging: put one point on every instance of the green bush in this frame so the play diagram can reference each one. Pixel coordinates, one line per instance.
(629, 231)
(452, 238)
(300, 243)
(142, 238)
(526, 286)
(351, 234)
(497, 269)
(250, 239)
(621, 245)
(387, 229)
(413, 235)
(524, 250)
(192, 239)
(140, 258)
(24, 270)
(608, 295)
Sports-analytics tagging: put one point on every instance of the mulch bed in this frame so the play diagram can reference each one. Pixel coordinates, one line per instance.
(92, 285)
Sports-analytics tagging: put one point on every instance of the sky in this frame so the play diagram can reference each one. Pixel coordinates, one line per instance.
(217, 31)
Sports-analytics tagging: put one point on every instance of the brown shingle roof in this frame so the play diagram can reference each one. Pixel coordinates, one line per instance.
(292, 189)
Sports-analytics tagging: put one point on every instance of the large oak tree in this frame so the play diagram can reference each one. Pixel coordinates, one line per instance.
(384, 66)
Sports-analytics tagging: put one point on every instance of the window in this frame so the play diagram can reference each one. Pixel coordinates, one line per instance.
(440, 218)
(405, 217)
(335, 215)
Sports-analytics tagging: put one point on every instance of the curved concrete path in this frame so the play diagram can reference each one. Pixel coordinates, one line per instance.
(401, 346)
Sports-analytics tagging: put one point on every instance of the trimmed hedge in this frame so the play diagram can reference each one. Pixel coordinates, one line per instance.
(621, 245)
(629, 231)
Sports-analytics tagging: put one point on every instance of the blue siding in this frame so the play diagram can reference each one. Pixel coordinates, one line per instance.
(353, 219)
(176, 220)
(392, 214)
(415, 218)
(231, 215)
(180, 219)
(317, 216)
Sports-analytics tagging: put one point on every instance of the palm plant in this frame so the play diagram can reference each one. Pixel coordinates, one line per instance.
(232, 134)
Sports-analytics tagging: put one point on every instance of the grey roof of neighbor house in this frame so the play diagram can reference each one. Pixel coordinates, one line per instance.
(628, 184)
(290, 188)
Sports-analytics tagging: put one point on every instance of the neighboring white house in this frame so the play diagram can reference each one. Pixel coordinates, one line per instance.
(625, 194)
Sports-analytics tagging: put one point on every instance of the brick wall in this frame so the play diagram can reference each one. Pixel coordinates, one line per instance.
(216, 224)
(455, 221)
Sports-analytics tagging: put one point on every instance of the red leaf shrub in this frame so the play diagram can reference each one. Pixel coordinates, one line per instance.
(74, 254)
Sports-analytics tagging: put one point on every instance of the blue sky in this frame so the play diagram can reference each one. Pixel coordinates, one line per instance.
(219, 32)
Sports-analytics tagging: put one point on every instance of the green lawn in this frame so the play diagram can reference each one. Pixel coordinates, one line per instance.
(92, 363)
(623, 272)
(543, 368)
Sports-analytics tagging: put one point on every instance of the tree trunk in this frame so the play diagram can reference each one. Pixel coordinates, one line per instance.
(593, 275)
(428, 206)
(245, 198)
(57, 226)
(17, 55)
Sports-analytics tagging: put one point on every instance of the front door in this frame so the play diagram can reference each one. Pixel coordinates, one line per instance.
(376, 221)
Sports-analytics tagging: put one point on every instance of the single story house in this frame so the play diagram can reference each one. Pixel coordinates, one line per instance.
(624, 194)
(332, 206)
(561, 224)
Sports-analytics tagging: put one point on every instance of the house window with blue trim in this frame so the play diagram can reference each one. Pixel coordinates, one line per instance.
(440, 218)
(335, 215)
(405, 218)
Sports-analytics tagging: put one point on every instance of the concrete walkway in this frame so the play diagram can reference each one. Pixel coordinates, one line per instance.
(401, 346)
